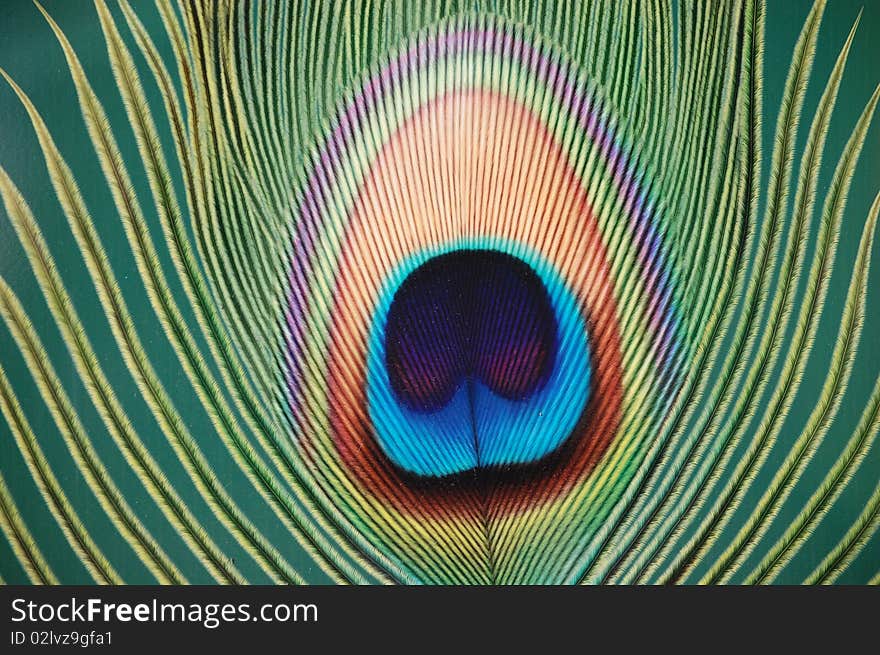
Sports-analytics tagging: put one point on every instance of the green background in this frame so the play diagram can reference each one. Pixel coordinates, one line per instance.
(30, 53)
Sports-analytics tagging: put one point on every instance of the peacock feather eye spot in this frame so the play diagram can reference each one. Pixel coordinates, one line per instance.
(469, 317)
(479, 360)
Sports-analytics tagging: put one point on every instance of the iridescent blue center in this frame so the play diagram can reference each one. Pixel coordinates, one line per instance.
(477, 359)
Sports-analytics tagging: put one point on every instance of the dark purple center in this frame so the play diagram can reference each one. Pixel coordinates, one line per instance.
(478, 315)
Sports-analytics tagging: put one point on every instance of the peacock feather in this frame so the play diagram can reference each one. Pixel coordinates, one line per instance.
(437, 292)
